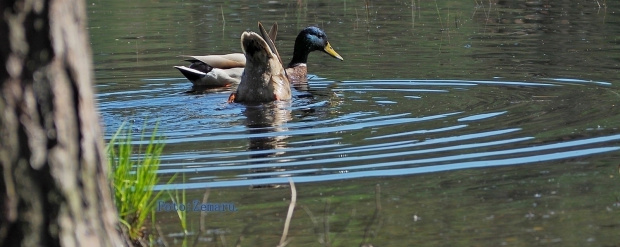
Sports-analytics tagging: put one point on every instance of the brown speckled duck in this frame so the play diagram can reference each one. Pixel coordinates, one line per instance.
(264, 78)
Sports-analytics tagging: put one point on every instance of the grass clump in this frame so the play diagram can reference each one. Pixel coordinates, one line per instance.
(133, 176)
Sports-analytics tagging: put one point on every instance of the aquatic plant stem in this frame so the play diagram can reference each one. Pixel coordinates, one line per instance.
(223, 18)
(375, 216)
(326, 223)
(291, 208)
(203, 217)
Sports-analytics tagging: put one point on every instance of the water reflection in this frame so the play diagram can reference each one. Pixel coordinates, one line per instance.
(264, 124)
(267, 118)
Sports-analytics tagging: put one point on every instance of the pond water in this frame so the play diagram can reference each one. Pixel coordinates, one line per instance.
(447, 123)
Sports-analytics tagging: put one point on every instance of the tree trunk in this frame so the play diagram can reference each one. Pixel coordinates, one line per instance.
(53, 186)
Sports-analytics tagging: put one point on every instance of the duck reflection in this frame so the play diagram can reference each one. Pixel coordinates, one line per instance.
(301, 86)
(264, 121)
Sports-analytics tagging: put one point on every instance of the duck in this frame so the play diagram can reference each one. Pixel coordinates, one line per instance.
(265, 77)
(227, 70)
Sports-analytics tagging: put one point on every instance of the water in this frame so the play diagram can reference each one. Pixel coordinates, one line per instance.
(482, 124)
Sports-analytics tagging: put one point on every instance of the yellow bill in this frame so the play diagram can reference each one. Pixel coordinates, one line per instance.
(329, 50)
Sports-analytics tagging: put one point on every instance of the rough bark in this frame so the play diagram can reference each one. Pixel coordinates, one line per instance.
(53, 187)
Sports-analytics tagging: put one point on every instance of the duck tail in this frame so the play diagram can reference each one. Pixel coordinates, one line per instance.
(269, 38)
(255, 47)
(191, 74)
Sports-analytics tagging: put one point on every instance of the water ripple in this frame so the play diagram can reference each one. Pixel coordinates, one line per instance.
(393, 172)
(355, 129)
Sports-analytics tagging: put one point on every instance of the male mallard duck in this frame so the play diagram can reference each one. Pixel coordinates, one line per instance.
(265, 78)
(308, 40)
(226, 70)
